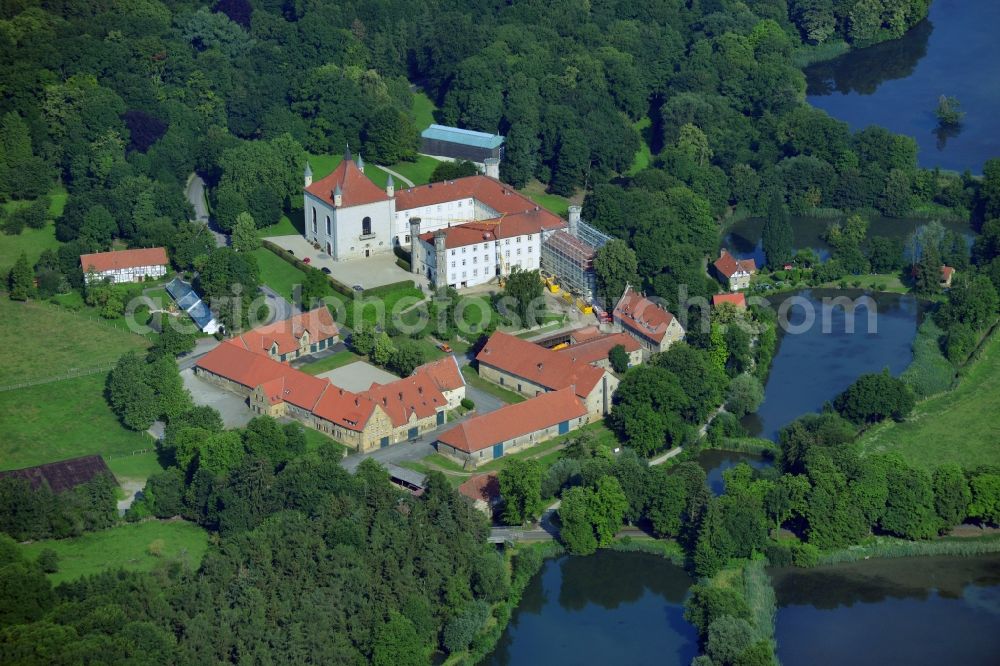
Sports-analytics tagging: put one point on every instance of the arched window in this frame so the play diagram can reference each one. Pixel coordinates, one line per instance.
(314, 220)
(366, 226)
(327, 225)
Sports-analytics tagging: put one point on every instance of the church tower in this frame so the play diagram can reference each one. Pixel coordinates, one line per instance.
(308, 175)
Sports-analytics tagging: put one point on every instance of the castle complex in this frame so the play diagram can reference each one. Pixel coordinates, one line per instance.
(461, 232)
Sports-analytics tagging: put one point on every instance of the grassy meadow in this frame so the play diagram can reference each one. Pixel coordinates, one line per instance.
(135, 546)
(959, 426)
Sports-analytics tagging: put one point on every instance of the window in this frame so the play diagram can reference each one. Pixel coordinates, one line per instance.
(529, 249)
(366, 226)
(314, 219)
(475, 260)
(464, 274)
(507, 253)
(518, 251)
(475, 272)
(327, 225)
(463, 249)
(463, 262)
(529, 236)
(453, 253)
(407, 238)
(453, 264)
(507, 242)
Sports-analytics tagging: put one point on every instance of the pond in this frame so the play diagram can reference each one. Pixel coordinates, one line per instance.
(932, 610)
(609, 608)
(743, 239)
(896, 85)
(715, 462)
(814, 363)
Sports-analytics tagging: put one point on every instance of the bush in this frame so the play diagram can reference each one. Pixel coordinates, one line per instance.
(48, 560)
(468, 403)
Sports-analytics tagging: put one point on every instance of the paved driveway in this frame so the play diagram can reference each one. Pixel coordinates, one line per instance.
(234, 410)
(374, 271)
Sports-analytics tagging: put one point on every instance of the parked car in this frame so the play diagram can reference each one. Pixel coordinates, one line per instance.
(325, 270)
(445, 347)
(306, 260)
(358, 287)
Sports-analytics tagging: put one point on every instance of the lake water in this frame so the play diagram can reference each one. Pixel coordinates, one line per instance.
(896, 84)
(609, 608)
(814, 363)
(715, 462)
(743, 239)
(934, 610)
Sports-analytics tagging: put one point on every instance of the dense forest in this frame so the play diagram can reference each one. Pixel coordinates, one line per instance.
(139, 95)
(118, 102)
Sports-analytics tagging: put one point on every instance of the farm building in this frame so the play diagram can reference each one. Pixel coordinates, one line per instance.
(124, 265)
(63, 475)
(461, 144)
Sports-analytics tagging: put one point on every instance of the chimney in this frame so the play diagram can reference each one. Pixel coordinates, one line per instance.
(308, 175)
(338, 197)
(574, 220)
(492, 167)
(390, 187)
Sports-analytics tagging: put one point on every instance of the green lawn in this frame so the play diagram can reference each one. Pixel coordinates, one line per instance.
(284, 227)
(419, 171)
(644, 155)
(277, 273)
(332, 362)
(550, 202)
(136, 546)
(316, 440)
(44, 340)
(422, 111)
(61, 420)
(889, 282)
(474, 380)
(31, 241)
(959, 426)
(135, 468)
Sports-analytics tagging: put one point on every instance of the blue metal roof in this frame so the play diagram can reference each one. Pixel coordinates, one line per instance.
(178, 288)
(201, 315)
(187, 300)
(462, 136)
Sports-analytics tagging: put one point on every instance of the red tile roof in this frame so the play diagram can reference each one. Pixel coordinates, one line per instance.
(947, 272)
(235, 362)
(356, 189)
(287, 333)
(110, 261)
(584, 334)
(596, 349)
(444, 372)
(642, 315)
(498, 196)
(522, 418)
(484, 487)
(401, 399)
(538, 365)
(739, 300)
(728, 265)
(346, 409)
(508, 226)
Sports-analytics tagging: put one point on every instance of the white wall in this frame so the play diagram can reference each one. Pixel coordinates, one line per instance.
(436, 216)
(345, 227)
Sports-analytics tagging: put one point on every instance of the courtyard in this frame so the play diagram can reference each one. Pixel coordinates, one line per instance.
(375, 271)
(232, 407)
(358, 376)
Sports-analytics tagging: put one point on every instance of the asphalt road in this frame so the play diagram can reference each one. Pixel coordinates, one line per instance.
(196, 196)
